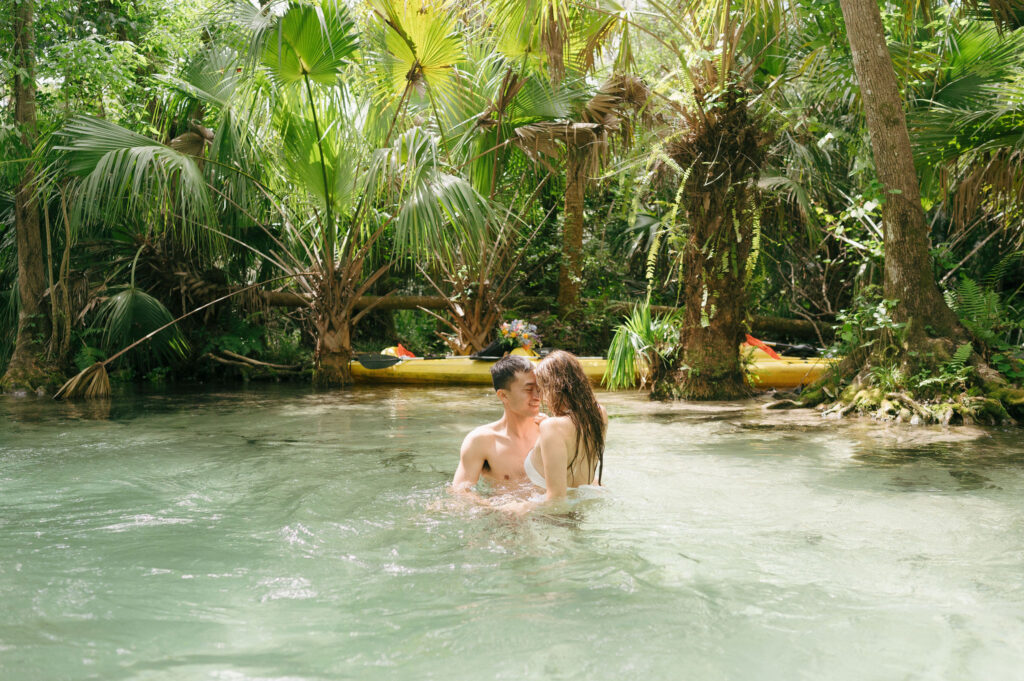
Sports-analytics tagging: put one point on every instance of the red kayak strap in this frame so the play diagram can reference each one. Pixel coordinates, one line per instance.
(757, 344)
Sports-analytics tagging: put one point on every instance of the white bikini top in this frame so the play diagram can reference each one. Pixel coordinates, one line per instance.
(535, 476)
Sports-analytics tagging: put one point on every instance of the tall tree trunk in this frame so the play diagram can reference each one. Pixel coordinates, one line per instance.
(28, 369)
(333, 354)
(714, 290)
(570, 273)
(723, 150)
(909, 277)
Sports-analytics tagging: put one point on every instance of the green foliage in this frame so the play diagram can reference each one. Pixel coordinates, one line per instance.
(951, 376)
(463, 152)
(1010, 363)
(88, 355)
(126, 175)
(311, 40)
(131, 314)
(417, 331)
(643, 346)
(240, 336)
(273, 340)
(980, 310)
(866, 322)
(887, 377)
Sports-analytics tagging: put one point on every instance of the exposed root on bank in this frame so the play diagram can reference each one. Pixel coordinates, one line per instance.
(901, 407)
(983, 397)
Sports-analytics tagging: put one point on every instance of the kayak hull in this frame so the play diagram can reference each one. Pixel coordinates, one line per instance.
(781, 374)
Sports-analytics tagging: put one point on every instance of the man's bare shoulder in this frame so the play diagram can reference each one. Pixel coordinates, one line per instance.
(481, 436)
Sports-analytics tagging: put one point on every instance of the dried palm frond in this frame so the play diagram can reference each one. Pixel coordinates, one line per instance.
(92, 383)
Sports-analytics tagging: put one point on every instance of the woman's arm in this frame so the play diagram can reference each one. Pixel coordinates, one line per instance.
(554, 451)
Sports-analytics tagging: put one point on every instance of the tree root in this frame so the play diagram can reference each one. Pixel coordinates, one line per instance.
(987, 400)
(900, 407)
(784, 404)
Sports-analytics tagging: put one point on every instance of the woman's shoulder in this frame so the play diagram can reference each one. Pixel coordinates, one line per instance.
(556, 424)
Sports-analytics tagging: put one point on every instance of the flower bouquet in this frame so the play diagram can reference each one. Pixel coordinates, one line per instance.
(517, 333)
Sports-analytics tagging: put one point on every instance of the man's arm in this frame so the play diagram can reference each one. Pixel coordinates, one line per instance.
(471, 464)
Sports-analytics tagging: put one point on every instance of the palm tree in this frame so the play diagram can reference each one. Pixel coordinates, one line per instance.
(580, 136)
(717, 148)
(560, 40)
(27, 369)
(325, 198)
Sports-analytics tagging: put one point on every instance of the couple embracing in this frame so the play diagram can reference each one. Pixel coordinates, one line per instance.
(527, 450)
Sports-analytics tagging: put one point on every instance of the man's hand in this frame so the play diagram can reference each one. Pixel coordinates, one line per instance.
(515, 508)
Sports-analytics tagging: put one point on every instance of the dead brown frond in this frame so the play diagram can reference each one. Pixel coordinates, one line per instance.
(91, 383)
(994, 186)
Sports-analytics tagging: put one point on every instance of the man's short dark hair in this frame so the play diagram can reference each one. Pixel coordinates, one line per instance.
(505, 369)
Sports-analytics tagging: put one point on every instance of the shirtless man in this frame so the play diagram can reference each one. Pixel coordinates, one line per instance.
(497, 450)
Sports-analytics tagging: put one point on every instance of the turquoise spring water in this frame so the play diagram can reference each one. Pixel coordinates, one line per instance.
(276, 533)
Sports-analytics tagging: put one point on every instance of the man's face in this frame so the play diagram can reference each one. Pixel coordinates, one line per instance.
(522, 395)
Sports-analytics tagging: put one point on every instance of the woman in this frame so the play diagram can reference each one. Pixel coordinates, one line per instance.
(570, 450)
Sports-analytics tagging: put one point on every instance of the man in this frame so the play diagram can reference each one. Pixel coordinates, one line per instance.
(497, 450)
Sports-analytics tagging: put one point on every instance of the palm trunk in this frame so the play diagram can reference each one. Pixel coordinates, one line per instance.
(909, 277)
(28, 369)
(723, 151)
(333, 349)
(570, 273)
(715, 311)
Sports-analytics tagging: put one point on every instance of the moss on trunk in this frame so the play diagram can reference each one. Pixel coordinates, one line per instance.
(721, 154)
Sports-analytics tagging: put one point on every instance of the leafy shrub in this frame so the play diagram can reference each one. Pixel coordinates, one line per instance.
(417, 331)
(866, 322)
(950, 376)
(643, 347)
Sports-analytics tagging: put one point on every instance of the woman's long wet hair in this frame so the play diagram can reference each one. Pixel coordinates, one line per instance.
(568, 393)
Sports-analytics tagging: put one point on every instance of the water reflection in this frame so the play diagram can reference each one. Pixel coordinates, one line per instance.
(33, 409)
(978, 455)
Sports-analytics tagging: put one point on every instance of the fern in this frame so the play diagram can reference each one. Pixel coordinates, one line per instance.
(755, 245)
(951, 375)
(960, 357)
(979, 308)
(1002, 267)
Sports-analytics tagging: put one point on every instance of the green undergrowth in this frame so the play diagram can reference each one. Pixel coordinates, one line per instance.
(950, 384)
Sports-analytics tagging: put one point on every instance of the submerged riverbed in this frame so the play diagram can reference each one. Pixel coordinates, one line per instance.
(278, 533)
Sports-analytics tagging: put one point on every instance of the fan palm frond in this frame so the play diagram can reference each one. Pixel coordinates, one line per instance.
(125, 174)
(309, 40)
(212, 76)
(532, 29)
(132, 313)
(438, 211)
(421, 47)
(301, 148)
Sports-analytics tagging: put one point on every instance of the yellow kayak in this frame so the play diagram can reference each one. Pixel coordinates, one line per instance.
(782, 374)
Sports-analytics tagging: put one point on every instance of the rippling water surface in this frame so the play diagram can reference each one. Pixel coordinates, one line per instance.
(283, 534)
